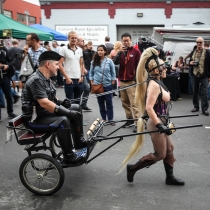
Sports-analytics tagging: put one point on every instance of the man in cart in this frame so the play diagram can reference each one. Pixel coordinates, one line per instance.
(51, 114)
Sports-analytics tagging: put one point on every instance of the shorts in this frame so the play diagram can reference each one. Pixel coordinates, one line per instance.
(16, 76)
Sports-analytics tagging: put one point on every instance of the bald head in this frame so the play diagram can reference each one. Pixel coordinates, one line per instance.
(199, 42)
(80, 41)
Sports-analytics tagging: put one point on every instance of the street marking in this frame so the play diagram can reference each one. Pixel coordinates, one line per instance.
(207, 127)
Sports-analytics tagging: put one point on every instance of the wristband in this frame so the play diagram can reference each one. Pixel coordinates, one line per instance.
(56, 108)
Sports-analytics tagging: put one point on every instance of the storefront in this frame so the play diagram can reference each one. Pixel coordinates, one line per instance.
(117, 17)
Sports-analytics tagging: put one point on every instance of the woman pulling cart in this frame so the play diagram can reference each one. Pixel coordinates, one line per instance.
(153, 99)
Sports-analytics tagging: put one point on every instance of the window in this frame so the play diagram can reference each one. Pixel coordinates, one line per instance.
(8, 13)
(21, 18)
(32, 20)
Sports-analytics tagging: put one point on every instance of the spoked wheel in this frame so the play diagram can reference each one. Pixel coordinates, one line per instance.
(54, 145)
(41, 174)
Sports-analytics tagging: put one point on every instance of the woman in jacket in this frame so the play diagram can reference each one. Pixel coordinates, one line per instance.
(102, 70)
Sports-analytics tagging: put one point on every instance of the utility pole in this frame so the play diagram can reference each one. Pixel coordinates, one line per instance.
(1, 6)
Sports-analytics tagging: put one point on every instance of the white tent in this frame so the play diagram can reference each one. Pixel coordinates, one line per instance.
(180, 41)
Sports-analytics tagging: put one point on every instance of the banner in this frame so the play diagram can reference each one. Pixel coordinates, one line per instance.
(96, 34)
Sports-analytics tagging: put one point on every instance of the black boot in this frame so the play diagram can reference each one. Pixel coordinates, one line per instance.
(132, 169)
(65, 142)
(77, 134)
(170, 178)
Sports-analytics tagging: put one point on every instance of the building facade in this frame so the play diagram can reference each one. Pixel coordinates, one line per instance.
(25, 11)
(96, 19)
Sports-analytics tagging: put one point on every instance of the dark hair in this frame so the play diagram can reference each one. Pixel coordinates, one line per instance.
(34, 36)
(107, 38)
(96, 57)
(125, 35)
(62, 45)
(46, 43)
(181, 57)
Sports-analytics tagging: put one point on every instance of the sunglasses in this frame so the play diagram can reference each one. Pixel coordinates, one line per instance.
(199, 42)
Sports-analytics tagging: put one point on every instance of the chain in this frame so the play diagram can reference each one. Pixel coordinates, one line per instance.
(105, 93)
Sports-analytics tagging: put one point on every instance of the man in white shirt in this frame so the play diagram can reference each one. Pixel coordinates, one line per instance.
(72, 71)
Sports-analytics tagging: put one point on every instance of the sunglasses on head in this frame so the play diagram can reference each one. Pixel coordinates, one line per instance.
(199, 42)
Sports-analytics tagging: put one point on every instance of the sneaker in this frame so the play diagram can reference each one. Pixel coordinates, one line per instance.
(128, 124)
(87, 109)
(206, 113)
(11, 116)
(16, 99)
(135, 129)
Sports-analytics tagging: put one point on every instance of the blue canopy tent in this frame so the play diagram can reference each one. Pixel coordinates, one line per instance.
(57, 36)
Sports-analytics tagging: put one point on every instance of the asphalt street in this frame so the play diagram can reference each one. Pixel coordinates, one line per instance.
(98, 184)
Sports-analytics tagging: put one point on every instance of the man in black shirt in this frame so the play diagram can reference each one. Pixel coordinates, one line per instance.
(5, 80)
(52, 115)
(87, 57)
(15, 55)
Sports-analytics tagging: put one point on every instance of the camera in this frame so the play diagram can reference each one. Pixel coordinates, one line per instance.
(196, 63)
(125, 48)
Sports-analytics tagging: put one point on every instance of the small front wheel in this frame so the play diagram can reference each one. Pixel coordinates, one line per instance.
(41, 174)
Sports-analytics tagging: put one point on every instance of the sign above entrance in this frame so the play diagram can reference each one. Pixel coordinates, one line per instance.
(96, 34)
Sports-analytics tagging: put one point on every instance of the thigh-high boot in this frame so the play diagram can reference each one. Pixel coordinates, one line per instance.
(77, 129)
(77, 133)
(170, 178)
(145, 161)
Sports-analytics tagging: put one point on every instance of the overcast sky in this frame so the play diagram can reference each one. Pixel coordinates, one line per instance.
(33, 1)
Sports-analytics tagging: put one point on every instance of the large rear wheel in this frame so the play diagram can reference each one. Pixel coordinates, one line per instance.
(41, 174)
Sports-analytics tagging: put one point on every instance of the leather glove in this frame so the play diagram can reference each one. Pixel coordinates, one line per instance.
(161, 128)
(66, 103)
(73, 115)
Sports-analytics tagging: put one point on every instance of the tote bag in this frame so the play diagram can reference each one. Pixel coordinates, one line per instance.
(27, 68)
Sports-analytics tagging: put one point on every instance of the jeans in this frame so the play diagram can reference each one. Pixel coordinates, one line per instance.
(2, 101)
(87, 76)
(73, 90)
(204, 92)
(86, 92)
(16, 75)
(5, 85)
(105, 104)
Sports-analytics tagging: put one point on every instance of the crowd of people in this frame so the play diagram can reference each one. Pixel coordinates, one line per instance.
(77, 67)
